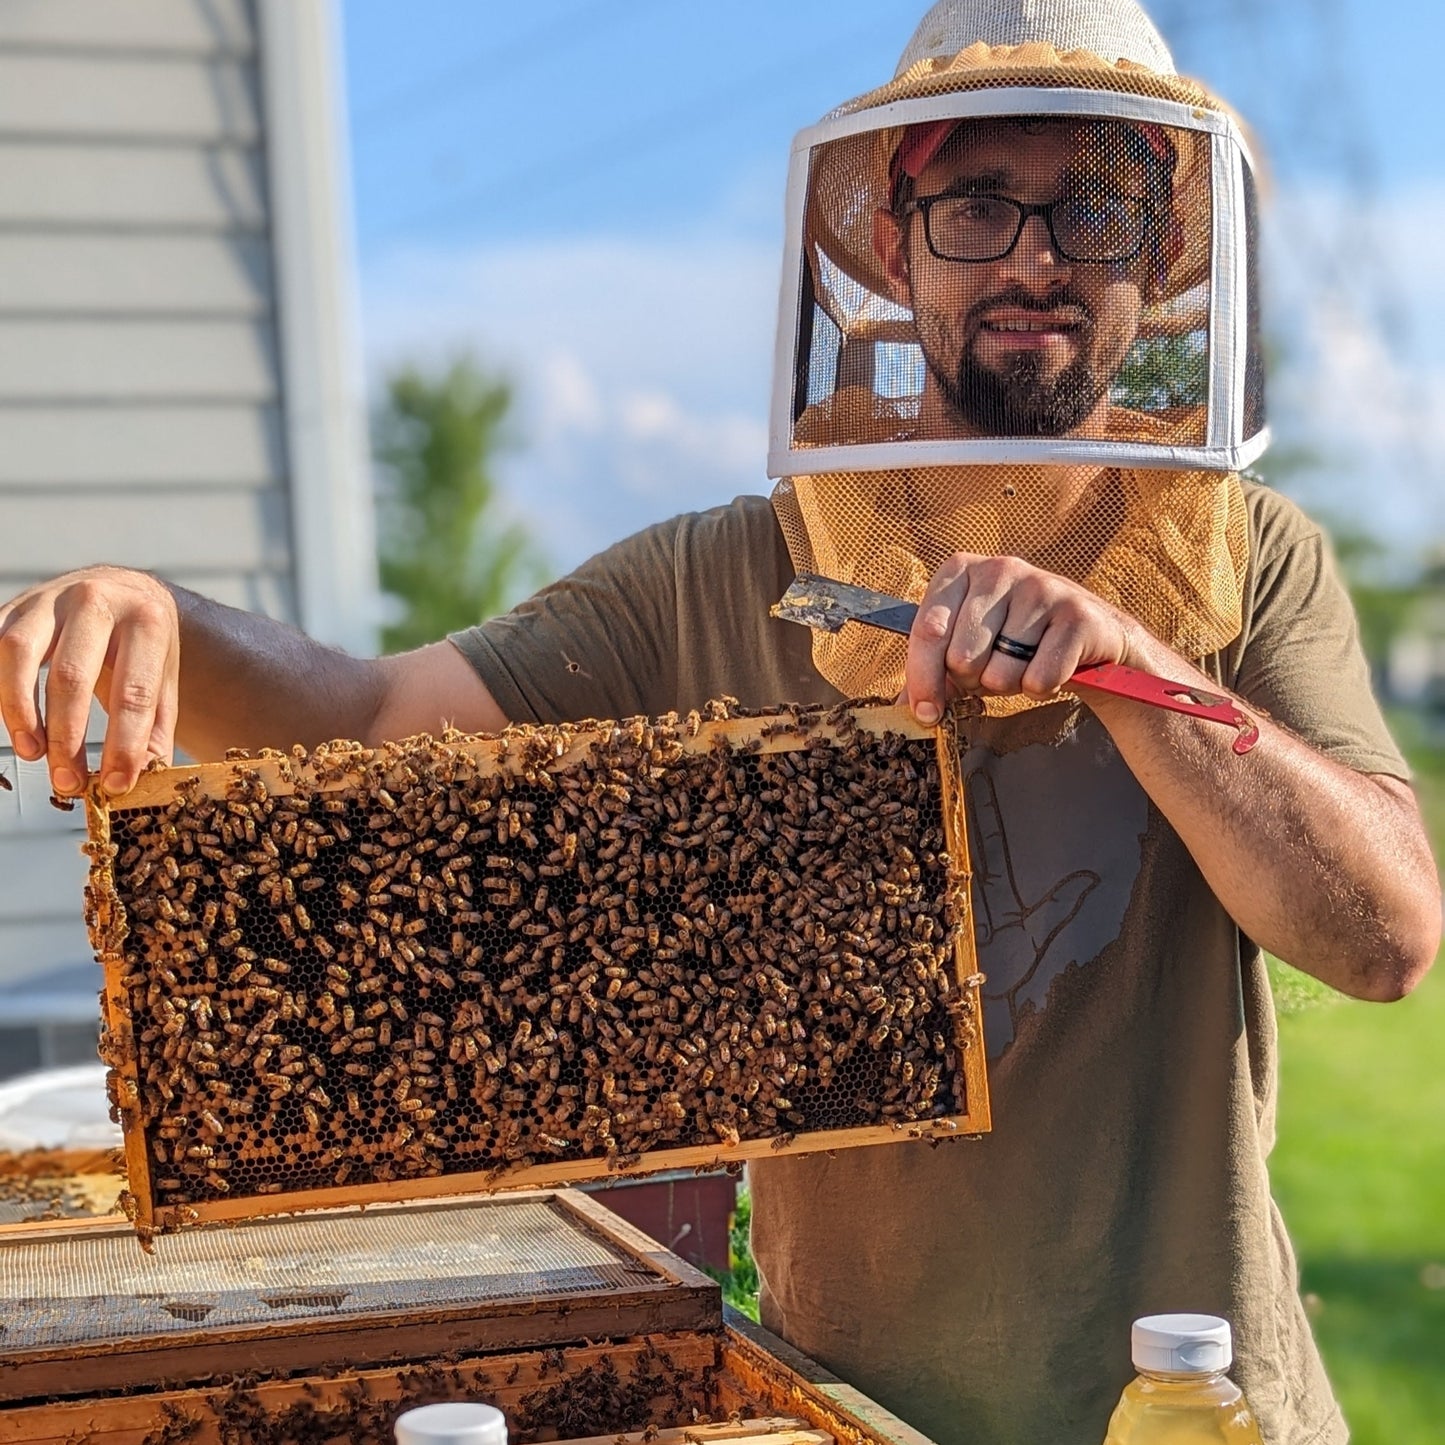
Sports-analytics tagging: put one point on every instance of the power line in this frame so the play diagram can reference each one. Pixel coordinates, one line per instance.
(662, 128)
(541, 44)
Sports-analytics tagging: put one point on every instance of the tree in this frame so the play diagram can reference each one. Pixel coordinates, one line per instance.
(1163, 372)
(446, 556)
(1385, 587)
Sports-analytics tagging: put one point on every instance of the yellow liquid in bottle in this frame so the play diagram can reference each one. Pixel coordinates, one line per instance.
(1169, 1409)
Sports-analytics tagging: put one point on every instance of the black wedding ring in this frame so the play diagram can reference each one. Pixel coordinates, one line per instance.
(1010, 647)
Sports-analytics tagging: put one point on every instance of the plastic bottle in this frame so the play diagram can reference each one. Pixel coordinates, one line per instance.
(1182, 1395)
(456, 1422)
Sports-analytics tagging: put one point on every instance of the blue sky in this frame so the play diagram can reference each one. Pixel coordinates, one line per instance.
(474, 119)
(587, 193)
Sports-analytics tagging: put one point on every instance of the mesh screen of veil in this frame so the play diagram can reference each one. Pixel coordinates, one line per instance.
(1017, 318)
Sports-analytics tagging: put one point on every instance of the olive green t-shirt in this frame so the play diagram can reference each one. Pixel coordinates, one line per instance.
(984, 1290)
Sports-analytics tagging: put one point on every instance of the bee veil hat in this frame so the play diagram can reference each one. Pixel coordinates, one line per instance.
(1018, 315)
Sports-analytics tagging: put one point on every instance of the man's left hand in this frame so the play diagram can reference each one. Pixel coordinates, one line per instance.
(974, 601)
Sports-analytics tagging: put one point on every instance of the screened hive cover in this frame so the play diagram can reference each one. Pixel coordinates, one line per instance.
(89, 1293)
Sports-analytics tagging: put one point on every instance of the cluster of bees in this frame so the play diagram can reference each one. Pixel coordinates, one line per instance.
(586, 1398)
(596, 1398)
(41, 1196)
(415, 960)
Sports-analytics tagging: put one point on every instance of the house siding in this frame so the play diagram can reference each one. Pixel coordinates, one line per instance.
(141, 398)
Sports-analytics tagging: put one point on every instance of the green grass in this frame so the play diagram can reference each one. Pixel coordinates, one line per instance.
(740, 1280)
(1359, 1172)
(1295, 992)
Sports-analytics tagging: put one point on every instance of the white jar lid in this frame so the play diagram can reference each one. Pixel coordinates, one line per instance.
(457, 1422)
(1192, 1344)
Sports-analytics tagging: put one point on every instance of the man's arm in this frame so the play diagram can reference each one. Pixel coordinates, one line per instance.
(1326, 867)
(248, 681)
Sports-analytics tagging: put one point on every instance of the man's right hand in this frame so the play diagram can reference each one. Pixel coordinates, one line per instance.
(104, 631)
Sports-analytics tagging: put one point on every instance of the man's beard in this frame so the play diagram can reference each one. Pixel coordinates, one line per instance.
(1019, 399)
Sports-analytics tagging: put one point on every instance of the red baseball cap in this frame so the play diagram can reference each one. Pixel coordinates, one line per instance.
(921, 143)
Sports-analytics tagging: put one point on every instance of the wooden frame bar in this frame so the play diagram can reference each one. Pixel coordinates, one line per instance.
(504, 753)
(768, 1372)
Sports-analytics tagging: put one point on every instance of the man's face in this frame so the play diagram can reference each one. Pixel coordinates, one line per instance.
(1026, 345)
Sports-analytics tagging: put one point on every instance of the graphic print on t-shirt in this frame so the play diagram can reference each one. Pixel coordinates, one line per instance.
(1055, 831)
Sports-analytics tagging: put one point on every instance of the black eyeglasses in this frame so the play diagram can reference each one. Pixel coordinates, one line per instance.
(987, 227)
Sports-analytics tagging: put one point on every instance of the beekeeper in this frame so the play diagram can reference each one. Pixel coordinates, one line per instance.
(1018, 380)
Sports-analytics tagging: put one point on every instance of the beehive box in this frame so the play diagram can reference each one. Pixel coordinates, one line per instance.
(738, 1385)
(576, 1325)
(469, 963)
(82, 1310)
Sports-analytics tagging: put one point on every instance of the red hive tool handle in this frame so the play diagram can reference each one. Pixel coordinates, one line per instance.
(1177, 696)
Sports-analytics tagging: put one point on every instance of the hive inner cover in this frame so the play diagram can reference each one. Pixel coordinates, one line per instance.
(84, 1290)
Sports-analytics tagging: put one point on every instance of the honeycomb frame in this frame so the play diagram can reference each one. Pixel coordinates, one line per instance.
(720, 913)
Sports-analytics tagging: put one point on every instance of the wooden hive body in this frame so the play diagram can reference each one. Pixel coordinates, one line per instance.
(573, 1323)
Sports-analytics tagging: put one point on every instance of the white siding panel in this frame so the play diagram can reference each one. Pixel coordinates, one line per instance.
(44, 866)
(273, 594)
(189, 26)
(33, 775)
(83, 95)
(30, 951)
(212, 275)
(27, 809)
(218, 187)
(120, 446)
(140, 388)
(137, 360)
(9, 798)
(216, 530)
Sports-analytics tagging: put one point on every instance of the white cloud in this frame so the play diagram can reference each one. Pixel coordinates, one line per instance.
(569, 395)
(647, 415)
(1356, 299)
(643, 368)
(644, 365)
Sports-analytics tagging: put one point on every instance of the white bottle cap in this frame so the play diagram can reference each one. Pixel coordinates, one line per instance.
(1192, 1344)
(457, 1422)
